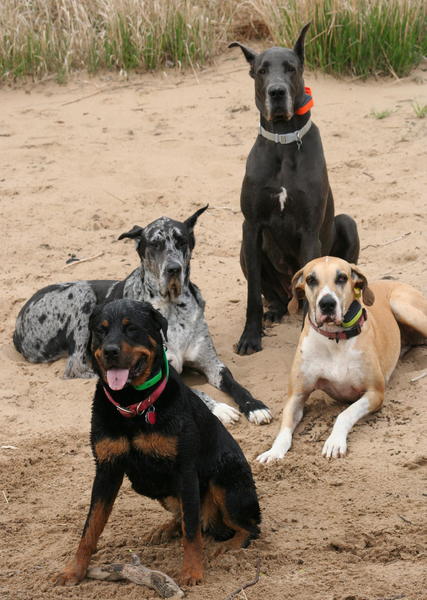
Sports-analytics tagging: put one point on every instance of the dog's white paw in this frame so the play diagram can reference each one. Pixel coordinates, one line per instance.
(261, 416)
(225, 413)
(281, 445)
(335, 446)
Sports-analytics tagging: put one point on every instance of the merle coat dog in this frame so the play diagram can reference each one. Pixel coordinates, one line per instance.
(286, 199)
(55, 321)
(149, 426)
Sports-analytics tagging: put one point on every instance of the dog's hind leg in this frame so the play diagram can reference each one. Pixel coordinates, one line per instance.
(274, 293)
(238, 506)
(202, 356)
(169, 530)
(346, 243)
(409, 307)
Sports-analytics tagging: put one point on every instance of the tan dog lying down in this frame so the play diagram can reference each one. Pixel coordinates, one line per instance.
(345, 349)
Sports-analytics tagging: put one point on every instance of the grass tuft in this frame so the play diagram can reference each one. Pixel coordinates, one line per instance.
(420, 110)
(347, 37)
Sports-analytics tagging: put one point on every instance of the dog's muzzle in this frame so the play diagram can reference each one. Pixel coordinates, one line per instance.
(278, 102)
(174, 273)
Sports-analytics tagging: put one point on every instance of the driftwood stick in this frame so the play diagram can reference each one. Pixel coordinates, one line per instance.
(387, 243)
(82, 260)
(249, 583)
(137, 573)
(418, 377)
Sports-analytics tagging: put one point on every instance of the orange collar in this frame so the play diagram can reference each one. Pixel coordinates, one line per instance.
(308, 103)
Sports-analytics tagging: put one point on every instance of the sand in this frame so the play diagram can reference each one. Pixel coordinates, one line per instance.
(84, 162)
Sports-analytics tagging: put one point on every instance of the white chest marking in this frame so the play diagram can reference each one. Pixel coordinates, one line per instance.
(342, 364)
(282, 198)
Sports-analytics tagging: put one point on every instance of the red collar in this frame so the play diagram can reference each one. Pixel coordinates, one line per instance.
(134, 410)
(344, 334)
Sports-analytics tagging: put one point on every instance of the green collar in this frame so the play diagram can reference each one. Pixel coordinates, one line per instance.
(157, 377)
(353, 315)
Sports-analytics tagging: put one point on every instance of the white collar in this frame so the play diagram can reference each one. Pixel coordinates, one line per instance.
(286, 138)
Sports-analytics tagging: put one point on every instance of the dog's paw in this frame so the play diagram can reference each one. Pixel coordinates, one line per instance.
(281, 445)
(68, 577)
(335, 446)
(260, 416)
(273, 316)
(165, 533)
(192, 576)
(248, 344)
(225, 413)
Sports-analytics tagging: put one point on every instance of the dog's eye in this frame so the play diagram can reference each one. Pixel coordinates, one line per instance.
(289, 69)
(131, 329)
(341, 278)
(180, 242)
(311, 280)
(262, 71)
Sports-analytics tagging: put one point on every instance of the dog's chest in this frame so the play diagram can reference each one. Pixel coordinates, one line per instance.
(337, 369)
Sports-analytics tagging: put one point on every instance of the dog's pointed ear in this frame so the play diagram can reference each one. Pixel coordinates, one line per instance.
(297, 286)
(299, 44)
(191, 221)
(160, 321)
(134, 233)
(250, 55)
(360, 281)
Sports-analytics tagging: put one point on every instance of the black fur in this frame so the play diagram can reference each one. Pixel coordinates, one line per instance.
(208, 462)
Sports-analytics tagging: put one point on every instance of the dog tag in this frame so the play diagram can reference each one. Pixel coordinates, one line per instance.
(150, 416)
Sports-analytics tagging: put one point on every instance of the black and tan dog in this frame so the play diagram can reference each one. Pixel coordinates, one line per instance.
(147, 424)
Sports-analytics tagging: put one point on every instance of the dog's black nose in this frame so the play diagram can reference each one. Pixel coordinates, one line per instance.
(327, 304)
(111, 351)
(276, 91)
(174, 269)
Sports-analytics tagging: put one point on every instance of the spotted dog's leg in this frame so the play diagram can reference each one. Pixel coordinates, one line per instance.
(203, 357)
(225, 413)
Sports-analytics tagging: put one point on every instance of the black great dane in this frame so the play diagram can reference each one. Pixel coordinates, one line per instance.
(286, 199)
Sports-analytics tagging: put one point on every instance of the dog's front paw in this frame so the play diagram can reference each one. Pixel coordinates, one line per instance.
(260, 416)
(249, 343)
(335, 446)
(225, 413)
(69, 576)
(191, 576)
(281, 445)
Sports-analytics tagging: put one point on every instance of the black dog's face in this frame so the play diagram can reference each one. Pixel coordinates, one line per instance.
(126, 340)
(278, 75)
(165, 247)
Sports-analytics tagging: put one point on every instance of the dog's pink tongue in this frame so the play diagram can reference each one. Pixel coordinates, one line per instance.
(117, 378)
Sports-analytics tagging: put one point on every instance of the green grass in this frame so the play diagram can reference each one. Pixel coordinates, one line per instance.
(355, 37)
(380, 114)
(420, 110)
(348, 37)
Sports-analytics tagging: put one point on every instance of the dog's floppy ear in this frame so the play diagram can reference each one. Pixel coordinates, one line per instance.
(361, 282)
(299, 44)
(297, 291)
(250, 55)
(134, 233)
(191, 221)
(160, 321)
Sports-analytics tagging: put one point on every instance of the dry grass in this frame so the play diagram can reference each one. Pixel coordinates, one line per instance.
(359, 37)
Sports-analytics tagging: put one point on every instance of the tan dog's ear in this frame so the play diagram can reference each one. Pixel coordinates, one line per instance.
(297, 291)
(361, 282)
